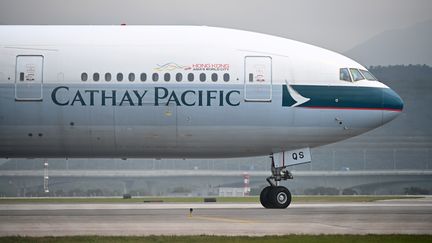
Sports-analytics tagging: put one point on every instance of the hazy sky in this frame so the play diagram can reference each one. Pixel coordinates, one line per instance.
(335, 24)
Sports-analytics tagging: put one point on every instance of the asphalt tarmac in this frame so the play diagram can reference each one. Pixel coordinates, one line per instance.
(407, 216)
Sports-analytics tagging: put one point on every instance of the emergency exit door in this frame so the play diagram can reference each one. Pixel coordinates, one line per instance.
(258, 78)
(29, 78)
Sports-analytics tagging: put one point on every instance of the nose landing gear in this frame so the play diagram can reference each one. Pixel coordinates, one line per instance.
(275, 196)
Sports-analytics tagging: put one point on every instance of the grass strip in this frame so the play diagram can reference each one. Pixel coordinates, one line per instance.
(237, 239)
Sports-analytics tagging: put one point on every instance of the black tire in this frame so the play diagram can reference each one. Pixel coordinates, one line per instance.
(279, 197)
(264, 197)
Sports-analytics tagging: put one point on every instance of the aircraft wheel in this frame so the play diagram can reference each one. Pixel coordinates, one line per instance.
(280, 197)
(264, 197)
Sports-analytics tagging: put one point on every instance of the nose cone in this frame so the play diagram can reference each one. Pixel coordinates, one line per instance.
(392, 105)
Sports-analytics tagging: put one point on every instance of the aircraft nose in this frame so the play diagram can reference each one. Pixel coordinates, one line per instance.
(392, 105)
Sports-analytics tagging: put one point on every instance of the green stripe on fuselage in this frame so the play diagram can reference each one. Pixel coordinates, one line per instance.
(338, 97)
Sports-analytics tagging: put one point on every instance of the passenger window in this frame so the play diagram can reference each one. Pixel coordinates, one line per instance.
(368, 75)
(179, 77)
(119, 77)
(84, 76)
(191, 77)
(107, 77)
(226, 77)
(155, 77)
(250, 77)
(202, 77)
(96, 77)
(143, 77)
(214, 77)
(356, 74)
(131, 77)
(344, 74)
(167, 77)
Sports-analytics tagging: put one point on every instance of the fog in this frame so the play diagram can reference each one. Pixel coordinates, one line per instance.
(335, 24)
(404, 144)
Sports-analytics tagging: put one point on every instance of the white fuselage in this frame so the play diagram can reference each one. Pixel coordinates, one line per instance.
(176, 91)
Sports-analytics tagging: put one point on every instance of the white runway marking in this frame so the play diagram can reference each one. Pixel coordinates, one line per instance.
(113, 206)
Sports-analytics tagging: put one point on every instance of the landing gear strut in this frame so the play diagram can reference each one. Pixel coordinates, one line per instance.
(275, 196)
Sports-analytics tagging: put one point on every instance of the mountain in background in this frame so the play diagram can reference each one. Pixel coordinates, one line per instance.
(412, 45)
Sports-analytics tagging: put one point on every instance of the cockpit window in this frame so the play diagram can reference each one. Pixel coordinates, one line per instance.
(368, 75)
(356, 74)
(344, 74)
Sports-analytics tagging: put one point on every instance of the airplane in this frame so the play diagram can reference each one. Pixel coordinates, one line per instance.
(181, 92)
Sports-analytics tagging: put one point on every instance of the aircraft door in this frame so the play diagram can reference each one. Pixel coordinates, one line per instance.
(258, 78)
(29, 78)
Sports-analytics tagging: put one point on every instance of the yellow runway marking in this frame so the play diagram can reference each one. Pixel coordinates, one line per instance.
(223, 219)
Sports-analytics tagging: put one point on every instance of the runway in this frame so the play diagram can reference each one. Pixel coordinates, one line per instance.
(407, 216)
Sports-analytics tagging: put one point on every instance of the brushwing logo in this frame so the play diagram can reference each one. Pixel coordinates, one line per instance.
(292, 98)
